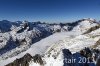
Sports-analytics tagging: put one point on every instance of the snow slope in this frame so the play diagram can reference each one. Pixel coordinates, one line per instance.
(54, 44)
(54, 56)
(84, 25)
(30, 38)
(39, 47)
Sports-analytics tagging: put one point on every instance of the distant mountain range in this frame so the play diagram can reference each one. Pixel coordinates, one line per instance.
(44, 44)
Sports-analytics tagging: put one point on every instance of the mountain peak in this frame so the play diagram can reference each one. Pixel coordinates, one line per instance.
(89, 20)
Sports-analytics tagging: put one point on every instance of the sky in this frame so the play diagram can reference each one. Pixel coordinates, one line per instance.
(49, 10)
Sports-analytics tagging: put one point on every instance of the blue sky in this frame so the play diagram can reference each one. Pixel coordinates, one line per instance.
(49, 10)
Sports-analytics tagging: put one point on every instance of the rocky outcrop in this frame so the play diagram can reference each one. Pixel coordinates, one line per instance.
(38, 59)
(90, 57)
(24, 61)
(98, 62)
(92, 29)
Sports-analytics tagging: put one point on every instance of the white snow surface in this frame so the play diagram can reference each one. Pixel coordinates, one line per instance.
(57, 41)
(53, 44)
(84, 26)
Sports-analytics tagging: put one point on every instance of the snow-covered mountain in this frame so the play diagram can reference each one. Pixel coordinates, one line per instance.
(42, 44)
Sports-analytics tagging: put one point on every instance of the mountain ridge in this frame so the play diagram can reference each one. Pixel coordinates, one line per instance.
(25, 34)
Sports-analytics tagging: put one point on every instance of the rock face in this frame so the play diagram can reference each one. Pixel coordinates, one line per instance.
(38, 59)
(24, 61)
(87, 56)
(6, 26)
(98, 62)
(90, 56)
(92, 29)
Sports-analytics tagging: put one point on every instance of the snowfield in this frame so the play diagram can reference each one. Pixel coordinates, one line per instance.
(50, 41)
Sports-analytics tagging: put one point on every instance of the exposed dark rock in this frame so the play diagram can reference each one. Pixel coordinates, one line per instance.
(37, 59)
(9, 46)
(1, 41)
(98, 62)
(92, 29)
(24, 61)
(91, 56)
(67, 55)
